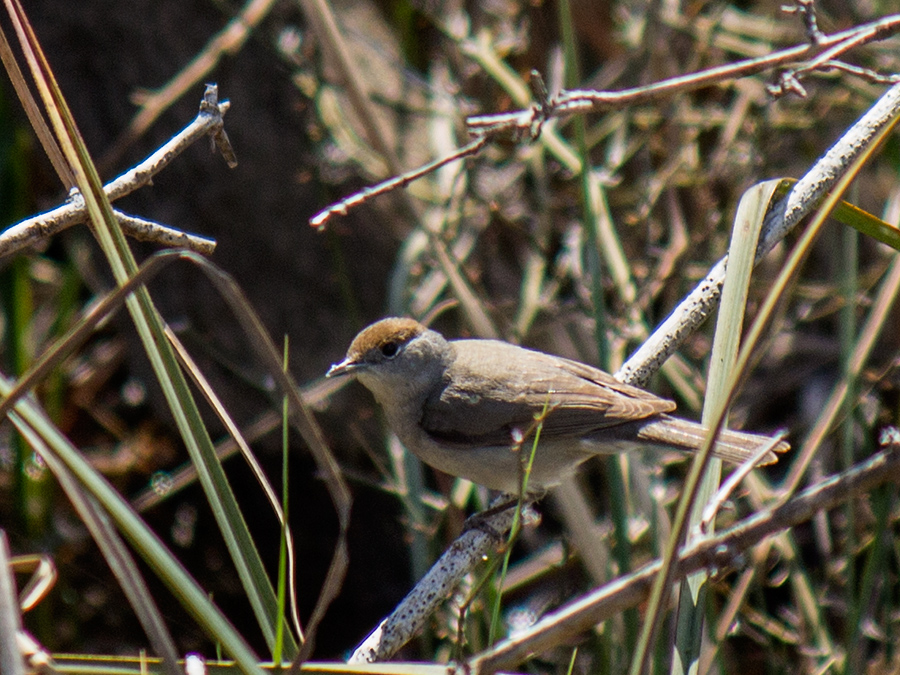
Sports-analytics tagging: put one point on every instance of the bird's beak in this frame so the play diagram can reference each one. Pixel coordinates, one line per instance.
(345, 367)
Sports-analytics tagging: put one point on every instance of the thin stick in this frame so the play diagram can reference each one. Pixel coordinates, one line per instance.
(522, 123)
(585, 100)
(401, 181)
(783, 217)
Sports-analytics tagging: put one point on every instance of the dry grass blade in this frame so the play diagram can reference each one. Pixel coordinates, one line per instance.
(222, 413)
(302, 418)
(33, 111)
(28, 418)
(748, 223)
(808, 191)
(43, 577)
(114, 551)
(876, 323)
(11, 662)
(162, 489)
(315, 396)
(81, 329)
(321, 16)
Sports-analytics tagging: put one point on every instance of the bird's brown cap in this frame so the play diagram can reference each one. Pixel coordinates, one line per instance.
(384, 337)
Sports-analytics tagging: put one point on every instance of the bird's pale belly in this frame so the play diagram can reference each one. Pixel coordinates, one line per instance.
(502, 468)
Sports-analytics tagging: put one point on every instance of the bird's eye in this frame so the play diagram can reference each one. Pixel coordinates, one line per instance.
(389, 349)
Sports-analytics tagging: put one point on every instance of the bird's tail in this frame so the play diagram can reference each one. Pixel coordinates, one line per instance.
(732, 446)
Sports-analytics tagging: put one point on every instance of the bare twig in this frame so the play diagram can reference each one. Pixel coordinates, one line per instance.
(807, 11)
(142, 229)
(866, 74)
(723, 551)
(340, 208)
(152, 104)
(32, 230)
(407, 619)
(528, 122)
(790, 79)
(585, 101)
(734, 479)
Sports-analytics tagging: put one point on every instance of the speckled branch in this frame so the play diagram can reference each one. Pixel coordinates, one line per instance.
(780, 220)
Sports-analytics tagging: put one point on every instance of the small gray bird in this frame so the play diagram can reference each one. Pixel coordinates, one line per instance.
(462, 406)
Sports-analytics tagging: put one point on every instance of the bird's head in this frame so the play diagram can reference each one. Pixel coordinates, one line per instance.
(396, 358)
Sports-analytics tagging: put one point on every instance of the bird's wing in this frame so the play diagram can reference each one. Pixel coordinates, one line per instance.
(579, 399)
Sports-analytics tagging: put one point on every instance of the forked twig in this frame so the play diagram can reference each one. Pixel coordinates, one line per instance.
(209, 121)
(587, 101)
(823, 50)
(153, 103)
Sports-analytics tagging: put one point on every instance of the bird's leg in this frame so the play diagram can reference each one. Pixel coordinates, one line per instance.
(481, 520)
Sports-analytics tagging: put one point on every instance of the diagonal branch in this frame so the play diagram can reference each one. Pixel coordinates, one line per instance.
(209, 122)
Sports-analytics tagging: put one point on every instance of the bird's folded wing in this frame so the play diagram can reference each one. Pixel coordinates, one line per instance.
(578, 399)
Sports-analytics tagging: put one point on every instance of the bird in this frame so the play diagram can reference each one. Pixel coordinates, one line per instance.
(466, 406)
